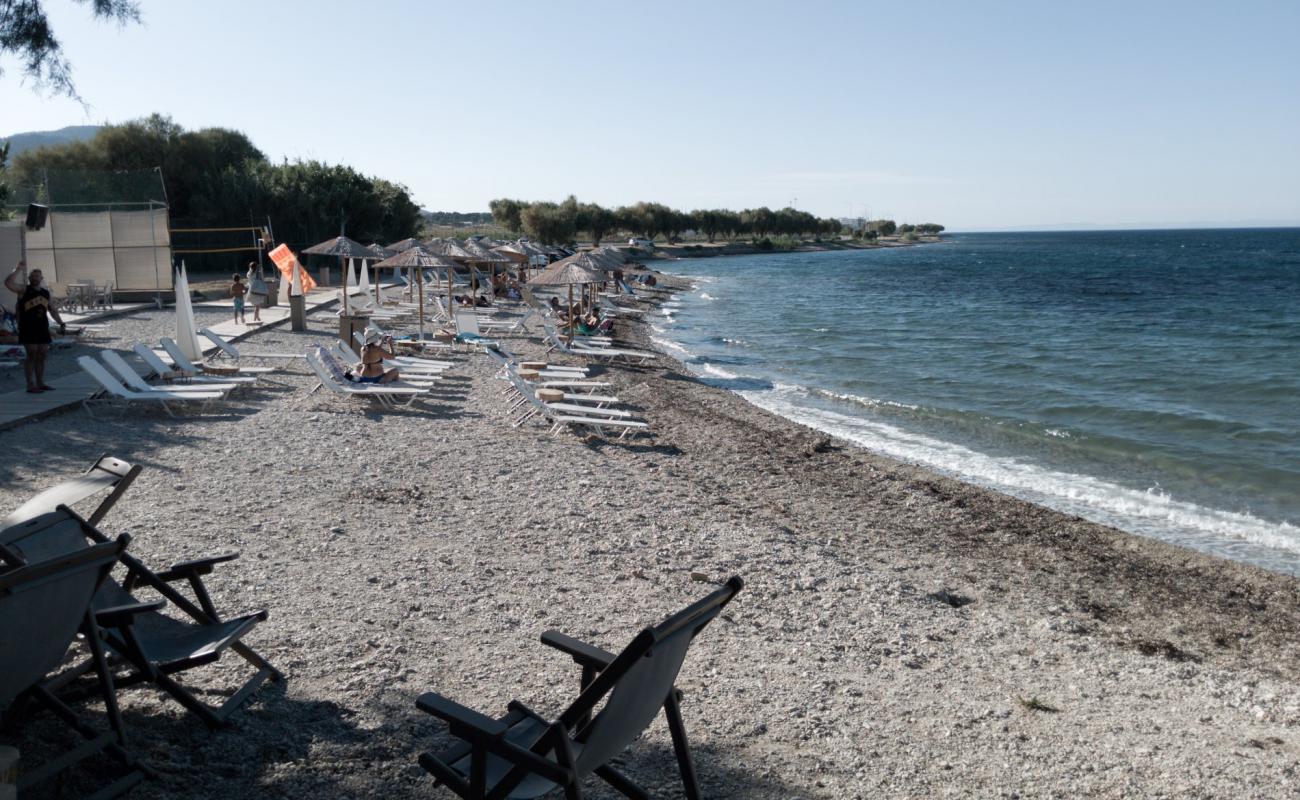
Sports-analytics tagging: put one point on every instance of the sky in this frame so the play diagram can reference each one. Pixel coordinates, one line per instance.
(993, 115)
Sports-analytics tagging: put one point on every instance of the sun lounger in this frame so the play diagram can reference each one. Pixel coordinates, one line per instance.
(115, 392)
(183, 363)
(524, 754)
(160, 369)
(154, 645)
(228, 348)
(330, 375)
(578, 417)
(44, 603)
(132, 379)
(609, 353)
(415, 361)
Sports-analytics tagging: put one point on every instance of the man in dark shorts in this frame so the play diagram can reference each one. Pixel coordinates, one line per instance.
(34, 310)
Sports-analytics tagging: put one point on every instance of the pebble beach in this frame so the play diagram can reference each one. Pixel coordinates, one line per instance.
(900, 633)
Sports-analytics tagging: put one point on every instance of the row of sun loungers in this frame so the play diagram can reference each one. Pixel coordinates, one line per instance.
(65, 584)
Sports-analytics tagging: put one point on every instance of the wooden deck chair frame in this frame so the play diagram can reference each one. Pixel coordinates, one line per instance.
(525, 755)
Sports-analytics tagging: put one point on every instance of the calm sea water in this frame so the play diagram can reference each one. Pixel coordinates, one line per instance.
(1149, 380)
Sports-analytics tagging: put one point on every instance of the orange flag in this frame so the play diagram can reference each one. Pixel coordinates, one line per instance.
(285, 259)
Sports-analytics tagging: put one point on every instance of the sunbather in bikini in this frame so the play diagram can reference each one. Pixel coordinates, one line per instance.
(376, 349)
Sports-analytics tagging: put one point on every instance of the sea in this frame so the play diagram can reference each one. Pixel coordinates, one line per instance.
(1148, 380)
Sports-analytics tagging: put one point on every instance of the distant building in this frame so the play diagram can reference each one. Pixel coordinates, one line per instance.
(853, 223)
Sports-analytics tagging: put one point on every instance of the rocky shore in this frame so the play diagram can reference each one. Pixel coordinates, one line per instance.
(900, 634)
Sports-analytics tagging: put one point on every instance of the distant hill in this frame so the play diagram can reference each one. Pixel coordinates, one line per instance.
(31, 140)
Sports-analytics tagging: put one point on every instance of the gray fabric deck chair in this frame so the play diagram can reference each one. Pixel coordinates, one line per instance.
(107, 474)
(525, 755)
(154, 646)
(43, 605)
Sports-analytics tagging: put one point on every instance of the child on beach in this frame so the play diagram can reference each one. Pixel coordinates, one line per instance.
(237, 291)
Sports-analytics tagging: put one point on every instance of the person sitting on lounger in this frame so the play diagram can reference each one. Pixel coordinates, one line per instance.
(376, 349)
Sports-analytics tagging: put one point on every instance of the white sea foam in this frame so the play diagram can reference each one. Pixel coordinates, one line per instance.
(718, 372)
(736, 342)
(671, 345)
(706, 296)
(1152, 512)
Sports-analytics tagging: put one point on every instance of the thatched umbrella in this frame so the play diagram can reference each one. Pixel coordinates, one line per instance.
(448, 248)
(570, 273)
(405, 244)
(419, 258)
(344, 248)
(486, 256)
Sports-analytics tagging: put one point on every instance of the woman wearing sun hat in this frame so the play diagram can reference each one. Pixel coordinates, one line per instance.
(376, 348)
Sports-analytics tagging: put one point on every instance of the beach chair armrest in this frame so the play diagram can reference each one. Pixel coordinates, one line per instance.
(465, 722)
(123, 615)
(584, 654)
(195, 567)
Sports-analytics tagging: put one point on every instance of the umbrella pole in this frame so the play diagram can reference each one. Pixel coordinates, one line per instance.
(378, 299)
(344, 269)
(419, 277)
(570, 309)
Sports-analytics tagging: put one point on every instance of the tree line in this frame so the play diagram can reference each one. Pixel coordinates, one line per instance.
(216, 177)
(560, 223)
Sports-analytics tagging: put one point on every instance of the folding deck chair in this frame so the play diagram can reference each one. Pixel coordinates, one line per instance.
(107, 474)
(152, 645)
(526, 755)
(44, 603)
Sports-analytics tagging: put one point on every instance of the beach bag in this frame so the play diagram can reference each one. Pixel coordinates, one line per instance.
(258, 291)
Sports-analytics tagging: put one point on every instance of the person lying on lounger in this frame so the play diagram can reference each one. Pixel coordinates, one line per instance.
(376, 349)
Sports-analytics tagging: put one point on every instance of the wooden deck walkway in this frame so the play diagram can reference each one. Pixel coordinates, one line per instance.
(18, 407)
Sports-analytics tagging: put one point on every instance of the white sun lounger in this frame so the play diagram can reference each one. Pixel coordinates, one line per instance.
(360, 339)
(610, 353)
(115, 392)
(183, 363)
(228, 348)
(160, 369)
(555, 414)
(331, 378)
(132, 379)
(411, 375)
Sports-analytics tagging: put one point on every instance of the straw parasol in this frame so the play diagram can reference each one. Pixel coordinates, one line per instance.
(448, 248)
(419, 258)
(485, 256)
(405, 244)
(344, 248)
(571, 271)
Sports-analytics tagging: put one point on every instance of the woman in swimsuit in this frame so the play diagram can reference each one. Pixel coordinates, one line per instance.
(376, 349)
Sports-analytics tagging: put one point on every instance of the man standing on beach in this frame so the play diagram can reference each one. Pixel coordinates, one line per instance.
(34, 310)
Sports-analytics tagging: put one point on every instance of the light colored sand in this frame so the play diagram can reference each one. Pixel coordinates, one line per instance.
(401, 552)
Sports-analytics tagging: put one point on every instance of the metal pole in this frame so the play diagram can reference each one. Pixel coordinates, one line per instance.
(157, 278)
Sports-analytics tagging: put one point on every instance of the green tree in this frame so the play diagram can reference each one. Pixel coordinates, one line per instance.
(26, 33)
(549, 223)
(507, 213)
(4, 180)
(596, 220)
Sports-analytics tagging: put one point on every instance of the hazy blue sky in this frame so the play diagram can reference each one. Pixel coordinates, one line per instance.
(978, 115)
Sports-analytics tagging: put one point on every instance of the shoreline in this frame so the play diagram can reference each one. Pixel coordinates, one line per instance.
(901, 633)
(674, 252)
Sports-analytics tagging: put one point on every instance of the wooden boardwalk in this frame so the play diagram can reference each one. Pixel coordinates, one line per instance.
(18, 407)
